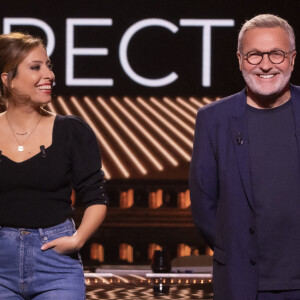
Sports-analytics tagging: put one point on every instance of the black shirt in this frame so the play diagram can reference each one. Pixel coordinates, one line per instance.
(36, 193)
(275, 176)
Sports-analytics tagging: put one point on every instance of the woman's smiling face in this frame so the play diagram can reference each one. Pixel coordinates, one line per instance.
(34, 78)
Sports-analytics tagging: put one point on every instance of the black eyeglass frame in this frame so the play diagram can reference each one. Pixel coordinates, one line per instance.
(261, 54)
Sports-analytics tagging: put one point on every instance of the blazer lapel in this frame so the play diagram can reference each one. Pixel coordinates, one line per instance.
(295, 94)
(241, 144)
(240, 137)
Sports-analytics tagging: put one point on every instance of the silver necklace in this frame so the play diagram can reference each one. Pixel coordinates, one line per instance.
(22, 133)
(21, 146)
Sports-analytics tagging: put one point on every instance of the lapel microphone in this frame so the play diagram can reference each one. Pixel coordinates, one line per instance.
(239, 139)
(43, 151)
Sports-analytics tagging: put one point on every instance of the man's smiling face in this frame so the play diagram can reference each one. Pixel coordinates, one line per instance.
(266, 78)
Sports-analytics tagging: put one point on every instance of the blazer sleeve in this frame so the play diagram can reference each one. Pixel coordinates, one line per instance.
(203, 181)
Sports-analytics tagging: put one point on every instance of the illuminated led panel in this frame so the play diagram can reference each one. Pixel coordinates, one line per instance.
(202, 102)
(189, 142)
(175, 145)
(172, 116)
(139, 138)
(101, 139)
(63, 105)
(146, 133)
(179, 110)
(187, 105)
(133, 137)
(196, 102)
(206, 100)
(117, 137)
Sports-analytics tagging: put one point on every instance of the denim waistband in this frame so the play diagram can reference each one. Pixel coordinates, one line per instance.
(66, 225)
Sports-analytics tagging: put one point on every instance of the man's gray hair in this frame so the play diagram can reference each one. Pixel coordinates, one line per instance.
(267, 21)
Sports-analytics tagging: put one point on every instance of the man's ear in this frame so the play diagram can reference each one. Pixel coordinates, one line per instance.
(240, 58)
(293, 59)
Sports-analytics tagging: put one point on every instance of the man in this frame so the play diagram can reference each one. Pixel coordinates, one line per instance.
(245, 175)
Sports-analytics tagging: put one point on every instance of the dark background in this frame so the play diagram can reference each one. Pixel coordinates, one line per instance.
(153, 52)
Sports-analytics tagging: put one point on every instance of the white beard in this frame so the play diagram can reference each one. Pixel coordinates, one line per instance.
(266, 89)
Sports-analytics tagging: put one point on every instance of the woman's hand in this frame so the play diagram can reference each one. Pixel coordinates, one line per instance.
(92, 218)
(64, 245)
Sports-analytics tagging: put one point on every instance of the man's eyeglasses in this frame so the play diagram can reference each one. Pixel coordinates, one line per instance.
(275, 56)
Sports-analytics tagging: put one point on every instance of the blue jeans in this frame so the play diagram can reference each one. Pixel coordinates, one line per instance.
(27, 272)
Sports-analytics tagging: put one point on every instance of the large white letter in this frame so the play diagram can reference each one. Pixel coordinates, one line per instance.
(206, 42)
(8, 22)
(71, 51)
(131, 31)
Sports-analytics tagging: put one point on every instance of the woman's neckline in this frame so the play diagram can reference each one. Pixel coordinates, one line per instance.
(39, 153)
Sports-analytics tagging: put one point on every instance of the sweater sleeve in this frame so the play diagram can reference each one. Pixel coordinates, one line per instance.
(87, 176)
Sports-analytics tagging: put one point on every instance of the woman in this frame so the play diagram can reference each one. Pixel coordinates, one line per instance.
(42, 157)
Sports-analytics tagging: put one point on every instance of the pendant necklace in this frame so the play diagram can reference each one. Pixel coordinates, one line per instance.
(21, 146)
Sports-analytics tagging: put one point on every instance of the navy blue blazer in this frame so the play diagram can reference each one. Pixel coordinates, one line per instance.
(221, 194)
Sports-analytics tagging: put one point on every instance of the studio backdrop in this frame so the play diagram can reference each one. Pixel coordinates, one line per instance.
(137, 71)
